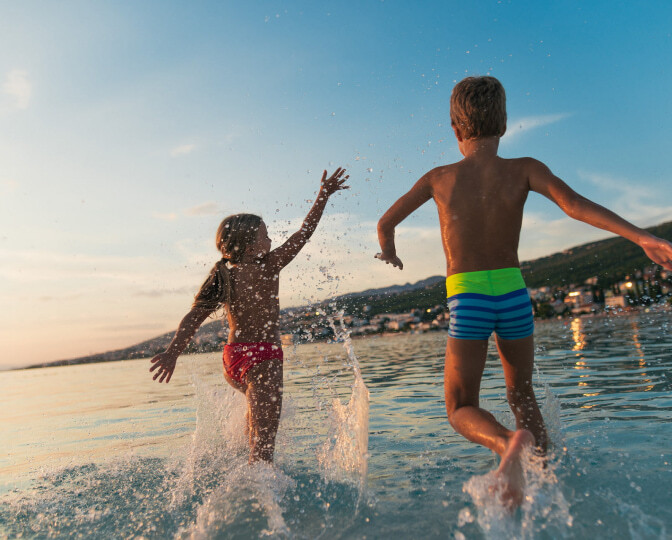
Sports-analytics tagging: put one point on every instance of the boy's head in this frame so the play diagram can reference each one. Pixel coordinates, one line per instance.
(478, 107)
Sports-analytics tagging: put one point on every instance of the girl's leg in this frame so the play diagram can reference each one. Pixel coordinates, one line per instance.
(264, 396)
(517, 357)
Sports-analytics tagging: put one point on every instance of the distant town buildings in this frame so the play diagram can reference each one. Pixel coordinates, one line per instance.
(643, 288)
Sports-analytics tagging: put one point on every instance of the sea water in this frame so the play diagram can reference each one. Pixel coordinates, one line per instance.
(364, 448)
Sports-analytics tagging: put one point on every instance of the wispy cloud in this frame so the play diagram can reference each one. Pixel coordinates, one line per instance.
(17, 90)
(515, 128)
(161, 293)
(182, 150)
(631, 198)
(164, 216)
(8, 186)
(205, 209)
(23, 266)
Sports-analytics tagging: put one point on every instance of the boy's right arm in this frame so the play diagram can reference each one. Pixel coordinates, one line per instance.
(418, 195)
(543, 181)
(165, 361)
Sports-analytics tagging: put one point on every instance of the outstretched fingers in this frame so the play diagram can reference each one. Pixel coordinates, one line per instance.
(335, 182)
(165, 367)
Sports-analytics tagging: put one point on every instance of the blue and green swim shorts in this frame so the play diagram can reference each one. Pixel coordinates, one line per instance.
(489, 300)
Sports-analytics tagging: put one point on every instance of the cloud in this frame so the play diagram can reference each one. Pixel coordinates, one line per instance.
(632, 199)
(165, 216)
(28, 266)
(161, 293)
(517, 127)
(182, 150)
(8, 186)
(205, 209)
(17, 90)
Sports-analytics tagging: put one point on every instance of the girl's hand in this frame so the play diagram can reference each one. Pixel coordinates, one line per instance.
(336, 182)
(166, 364)
(390, 259)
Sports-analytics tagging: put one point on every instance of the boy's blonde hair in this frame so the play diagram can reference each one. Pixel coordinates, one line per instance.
(234, 234)
(478, 107)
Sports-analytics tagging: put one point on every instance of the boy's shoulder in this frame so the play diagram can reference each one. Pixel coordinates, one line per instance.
(526, 163)
(522, 168)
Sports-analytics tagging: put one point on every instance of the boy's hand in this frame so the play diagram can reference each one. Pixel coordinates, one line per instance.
(329, 186)
(659, 251)
(166, 364)
(390, 259)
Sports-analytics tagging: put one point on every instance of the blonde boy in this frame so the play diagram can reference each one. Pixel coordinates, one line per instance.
(480, 201)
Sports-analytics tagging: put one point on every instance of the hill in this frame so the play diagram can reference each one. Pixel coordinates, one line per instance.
(609, 260)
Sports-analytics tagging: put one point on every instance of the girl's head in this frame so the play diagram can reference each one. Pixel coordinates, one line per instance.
(240, 234)
(237, 235)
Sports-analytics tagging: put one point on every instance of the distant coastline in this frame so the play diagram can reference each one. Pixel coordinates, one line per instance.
(609, 276)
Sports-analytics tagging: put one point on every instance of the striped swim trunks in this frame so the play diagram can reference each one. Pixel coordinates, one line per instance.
(489, 300)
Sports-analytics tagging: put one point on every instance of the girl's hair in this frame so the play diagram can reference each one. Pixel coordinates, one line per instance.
(234, 234)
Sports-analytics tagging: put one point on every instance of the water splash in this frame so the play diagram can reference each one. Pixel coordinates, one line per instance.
(217, 439)
(544, 506)
(344, 455)
(249, 498)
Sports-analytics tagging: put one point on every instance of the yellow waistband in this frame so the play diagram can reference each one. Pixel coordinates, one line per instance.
(490, 282)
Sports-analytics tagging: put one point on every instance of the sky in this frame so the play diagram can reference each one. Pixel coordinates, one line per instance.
(128, 130)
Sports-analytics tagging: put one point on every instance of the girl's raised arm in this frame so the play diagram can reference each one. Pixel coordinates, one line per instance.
(284, 254)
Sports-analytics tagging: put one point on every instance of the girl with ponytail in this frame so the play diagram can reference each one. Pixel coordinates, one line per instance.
(245, 283)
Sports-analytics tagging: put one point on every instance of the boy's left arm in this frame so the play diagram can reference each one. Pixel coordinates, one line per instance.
(543, 181)
(418, 195)
(284, 254)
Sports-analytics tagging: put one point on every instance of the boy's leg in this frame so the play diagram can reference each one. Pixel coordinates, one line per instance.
(517, 357)
(264, 396)
(465, 361)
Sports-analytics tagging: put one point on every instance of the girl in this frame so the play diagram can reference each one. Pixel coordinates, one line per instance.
(245, 282)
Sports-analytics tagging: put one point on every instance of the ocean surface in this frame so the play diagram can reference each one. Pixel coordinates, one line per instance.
(102, 451)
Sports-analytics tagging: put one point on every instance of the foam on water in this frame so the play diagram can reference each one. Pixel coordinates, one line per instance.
(544, 506)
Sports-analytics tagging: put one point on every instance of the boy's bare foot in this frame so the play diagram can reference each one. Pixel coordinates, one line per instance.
(510, 471)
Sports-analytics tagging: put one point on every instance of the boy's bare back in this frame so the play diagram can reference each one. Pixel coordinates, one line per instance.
(480, 204)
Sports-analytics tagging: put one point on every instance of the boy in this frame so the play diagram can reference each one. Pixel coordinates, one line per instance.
(480, 202)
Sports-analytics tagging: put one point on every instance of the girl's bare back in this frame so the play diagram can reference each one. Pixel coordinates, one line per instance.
(254, 308)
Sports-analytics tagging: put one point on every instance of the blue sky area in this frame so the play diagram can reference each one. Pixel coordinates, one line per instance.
(129, 129)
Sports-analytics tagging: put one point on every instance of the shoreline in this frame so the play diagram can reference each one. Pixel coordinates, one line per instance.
(632, 311)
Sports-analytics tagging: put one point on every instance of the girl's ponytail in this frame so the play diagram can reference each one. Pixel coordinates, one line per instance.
(216, 289)
(234, 234)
